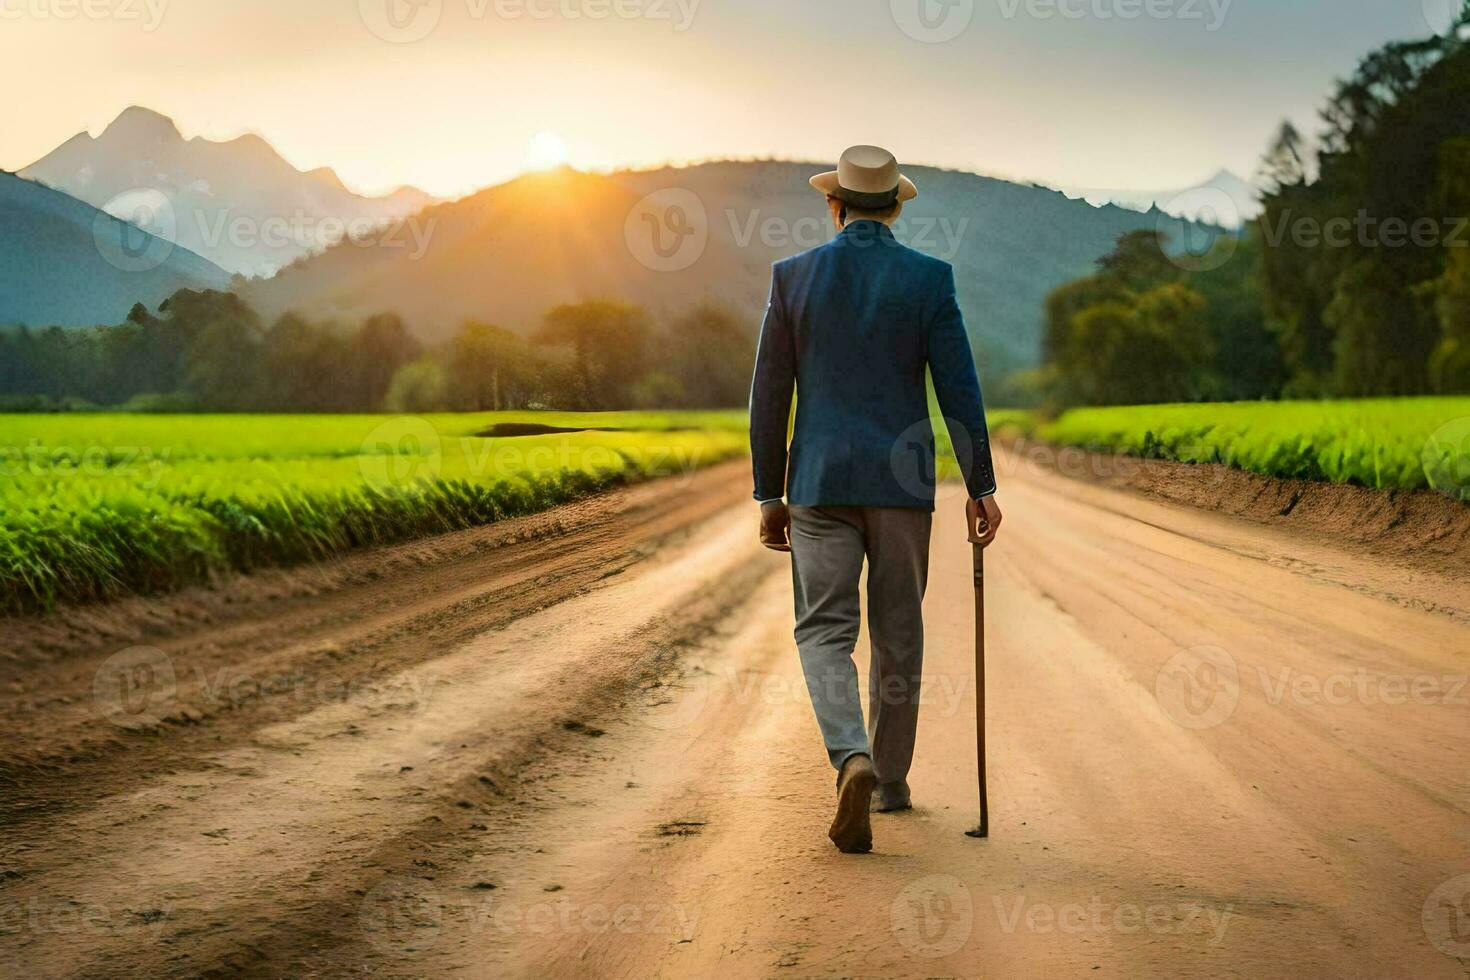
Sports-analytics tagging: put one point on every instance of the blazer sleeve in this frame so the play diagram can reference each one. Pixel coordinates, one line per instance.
(952, 366)
(770, 397)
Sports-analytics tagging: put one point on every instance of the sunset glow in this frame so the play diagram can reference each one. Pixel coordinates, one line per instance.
(449, 97)
(547, 150)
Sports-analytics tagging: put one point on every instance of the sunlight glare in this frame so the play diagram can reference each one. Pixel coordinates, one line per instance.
(546, 151)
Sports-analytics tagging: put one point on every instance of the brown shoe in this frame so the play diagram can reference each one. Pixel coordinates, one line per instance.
(891, 798)
(850, 830)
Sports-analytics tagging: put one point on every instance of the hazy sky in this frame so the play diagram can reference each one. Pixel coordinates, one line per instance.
(1099, 93)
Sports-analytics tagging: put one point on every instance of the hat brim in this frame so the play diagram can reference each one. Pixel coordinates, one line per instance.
(827, 184)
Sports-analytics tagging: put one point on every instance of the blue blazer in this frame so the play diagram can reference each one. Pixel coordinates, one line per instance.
(852, 325)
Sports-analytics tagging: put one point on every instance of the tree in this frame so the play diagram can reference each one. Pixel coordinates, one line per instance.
(1284, 164)
(1135, 332)
(1248, 362)
(1068, 362)
(1362, 314)
(1139, 261)
(1153, 350)
(709, 356)
(490, 368)
(417, 387)
(609, 344)
(376, 351)
(1381, 337)
(1449, 364)
(303, 366)
(222, 347)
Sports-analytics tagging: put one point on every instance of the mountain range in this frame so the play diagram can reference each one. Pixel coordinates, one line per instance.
(665, 238)
(237, 202)
(65, 263)
(671, 237)
(1225, 199)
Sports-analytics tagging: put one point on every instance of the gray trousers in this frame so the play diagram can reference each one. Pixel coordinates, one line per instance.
(828, 546)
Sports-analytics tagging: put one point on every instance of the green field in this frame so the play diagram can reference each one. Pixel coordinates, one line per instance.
(99, 505)
(1398, 443)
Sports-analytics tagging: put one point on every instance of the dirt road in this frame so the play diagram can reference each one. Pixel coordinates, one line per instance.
(580, 745)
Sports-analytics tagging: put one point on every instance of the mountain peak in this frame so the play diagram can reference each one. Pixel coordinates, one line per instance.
(137, 122)
(329, 177)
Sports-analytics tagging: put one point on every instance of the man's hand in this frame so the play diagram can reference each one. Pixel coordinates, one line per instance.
(775, 525)
(982, 517)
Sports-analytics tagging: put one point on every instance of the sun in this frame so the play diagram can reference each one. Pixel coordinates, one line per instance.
(545, 151)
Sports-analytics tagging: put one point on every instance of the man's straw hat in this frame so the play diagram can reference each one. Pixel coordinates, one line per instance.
(866, 177)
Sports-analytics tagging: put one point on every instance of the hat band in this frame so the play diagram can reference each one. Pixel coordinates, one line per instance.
(867, 199)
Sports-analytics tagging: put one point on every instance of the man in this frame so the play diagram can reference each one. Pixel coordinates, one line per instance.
(853, 326)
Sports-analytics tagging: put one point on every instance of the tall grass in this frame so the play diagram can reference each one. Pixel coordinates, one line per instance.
(97, 506)
(1396, 443)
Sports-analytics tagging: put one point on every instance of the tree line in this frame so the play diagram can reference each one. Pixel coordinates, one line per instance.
(209, 351)
(1353, 282)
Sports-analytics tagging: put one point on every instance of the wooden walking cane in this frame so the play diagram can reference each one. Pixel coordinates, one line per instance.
(983, 830)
